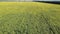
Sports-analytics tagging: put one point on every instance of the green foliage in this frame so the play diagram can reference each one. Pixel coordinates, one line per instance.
(29, 18)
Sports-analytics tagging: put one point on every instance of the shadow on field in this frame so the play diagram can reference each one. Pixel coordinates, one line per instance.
(50, 2)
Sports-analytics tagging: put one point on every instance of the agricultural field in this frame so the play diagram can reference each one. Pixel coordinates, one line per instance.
(29, 18)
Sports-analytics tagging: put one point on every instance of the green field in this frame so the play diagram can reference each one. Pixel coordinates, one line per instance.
(29, 18)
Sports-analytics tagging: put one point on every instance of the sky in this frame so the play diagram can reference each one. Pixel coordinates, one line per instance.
(29, 0)
(49, 0)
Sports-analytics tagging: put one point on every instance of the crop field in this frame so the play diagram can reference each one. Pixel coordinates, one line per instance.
(29, 18)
